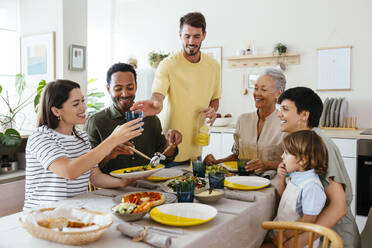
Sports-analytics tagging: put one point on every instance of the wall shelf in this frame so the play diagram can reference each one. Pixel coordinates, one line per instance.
(262, 60)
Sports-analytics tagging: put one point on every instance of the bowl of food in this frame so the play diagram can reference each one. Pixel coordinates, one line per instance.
(222, 121)
(199, 183)
(209, 196)
(130, 211)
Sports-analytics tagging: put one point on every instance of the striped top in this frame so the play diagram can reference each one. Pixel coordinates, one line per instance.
(44, 146)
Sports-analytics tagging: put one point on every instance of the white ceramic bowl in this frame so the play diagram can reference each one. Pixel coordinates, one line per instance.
(223, 121)
(131, 217)
(210, 198)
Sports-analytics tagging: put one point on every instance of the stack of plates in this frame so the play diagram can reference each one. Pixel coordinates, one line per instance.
(334, 112)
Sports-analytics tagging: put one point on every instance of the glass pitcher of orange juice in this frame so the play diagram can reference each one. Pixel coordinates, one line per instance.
(202, 132)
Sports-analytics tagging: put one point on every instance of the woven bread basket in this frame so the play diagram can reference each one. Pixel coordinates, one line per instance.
(68, 238)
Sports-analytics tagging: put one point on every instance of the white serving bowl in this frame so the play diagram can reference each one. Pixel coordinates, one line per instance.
(223, 121)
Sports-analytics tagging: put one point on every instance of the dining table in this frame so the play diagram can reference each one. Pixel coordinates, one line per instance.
(237, 223)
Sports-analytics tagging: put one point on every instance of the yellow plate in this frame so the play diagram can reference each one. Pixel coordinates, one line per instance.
(165, 174)
(132, 173)
(183, 214)
(246, 182)
(231, 166)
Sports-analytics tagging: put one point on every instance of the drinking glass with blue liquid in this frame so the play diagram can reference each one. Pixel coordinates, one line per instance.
(185, 192)
(216, 180)
(131, 115)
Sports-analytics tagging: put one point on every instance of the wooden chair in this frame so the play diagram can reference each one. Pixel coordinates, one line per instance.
(91, 187)
(327, 233)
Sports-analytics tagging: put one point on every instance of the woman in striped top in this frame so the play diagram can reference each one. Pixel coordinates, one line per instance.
(59, 160)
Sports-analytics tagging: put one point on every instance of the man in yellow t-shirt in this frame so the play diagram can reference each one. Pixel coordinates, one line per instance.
(191, 80)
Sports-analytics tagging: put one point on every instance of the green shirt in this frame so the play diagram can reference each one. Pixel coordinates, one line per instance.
(100, 125)
(346, 227)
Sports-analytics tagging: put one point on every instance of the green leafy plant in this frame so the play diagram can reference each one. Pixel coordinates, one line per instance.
(280, 49)
(11, 137)
(156, 57)
(94, 98)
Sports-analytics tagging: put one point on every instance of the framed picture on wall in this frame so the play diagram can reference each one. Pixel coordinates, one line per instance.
(77, 58)
(215, 52)
(38, 57)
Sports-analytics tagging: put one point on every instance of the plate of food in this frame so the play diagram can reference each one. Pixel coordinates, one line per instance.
(136, 172)
(155, 197)
(222, 121)
(231, 166)
(183, 214)
(219, 168)
(134, 206)
(246, 182)
(199, 182)
(165, 174)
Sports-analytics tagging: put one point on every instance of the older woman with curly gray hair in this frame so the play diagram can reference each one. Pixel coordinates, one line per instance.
(257, 136)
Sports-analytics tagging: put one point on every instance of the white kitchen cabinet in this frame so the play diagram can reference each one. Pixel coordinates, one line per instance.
(227, 143)
(220, 145)
(348, 150)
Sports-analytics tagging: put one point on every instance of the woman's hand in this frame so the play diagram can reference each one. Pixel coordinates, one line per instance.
(210, 159)
(256, 165)
(173, 137)
(121, 149)
(282, 172)
(127, 131)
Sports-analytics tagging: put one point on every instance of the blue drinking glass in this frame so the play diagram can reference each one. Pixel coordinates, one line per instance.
(216, 180)
(185, 192)
(131, 115)
(241, 168)
(198, 168)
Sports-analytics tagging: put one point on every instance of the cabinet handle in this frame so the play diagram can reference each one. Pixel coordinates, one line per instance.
(367, 162)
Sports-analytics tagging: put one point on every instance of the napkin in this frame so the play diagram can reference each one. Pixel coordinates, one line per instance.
(146, 184)
(150, 237)
(241, 196)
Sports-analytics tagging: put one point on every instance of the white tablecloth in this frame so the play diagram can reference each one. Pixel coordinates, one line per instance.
(238, 224)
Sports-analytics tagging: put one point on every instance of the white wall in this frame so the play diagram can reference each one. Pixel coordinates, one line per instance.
(141, 26)
(74, 32)
(68, 19)
(100, 51)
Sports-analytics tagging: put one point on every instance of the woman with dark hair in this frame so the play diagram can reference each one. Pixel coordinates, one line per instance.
(59, 162)
(301, 109)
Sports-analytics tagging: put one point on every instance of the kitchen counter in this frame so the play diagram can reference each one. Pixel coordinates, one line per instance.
(13, 176)
(347, 134)
(342, 134)
(226, 129)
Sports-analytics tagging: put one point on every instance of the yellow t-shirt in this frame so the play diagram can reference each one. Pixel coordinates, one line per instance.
(188, 87)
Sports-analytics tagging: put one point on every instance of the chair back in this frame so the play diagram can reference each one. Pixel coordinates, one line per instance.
(366, 234)
(327, 233)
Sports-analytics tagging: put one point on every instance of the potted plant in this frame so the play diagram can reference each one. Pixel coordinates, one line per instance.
(156, 57)
(280, 49)
(9, 136)
(94, 103)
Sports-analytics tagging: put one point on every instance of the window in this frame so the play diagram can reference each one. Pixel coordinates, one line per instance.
(9, 49)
